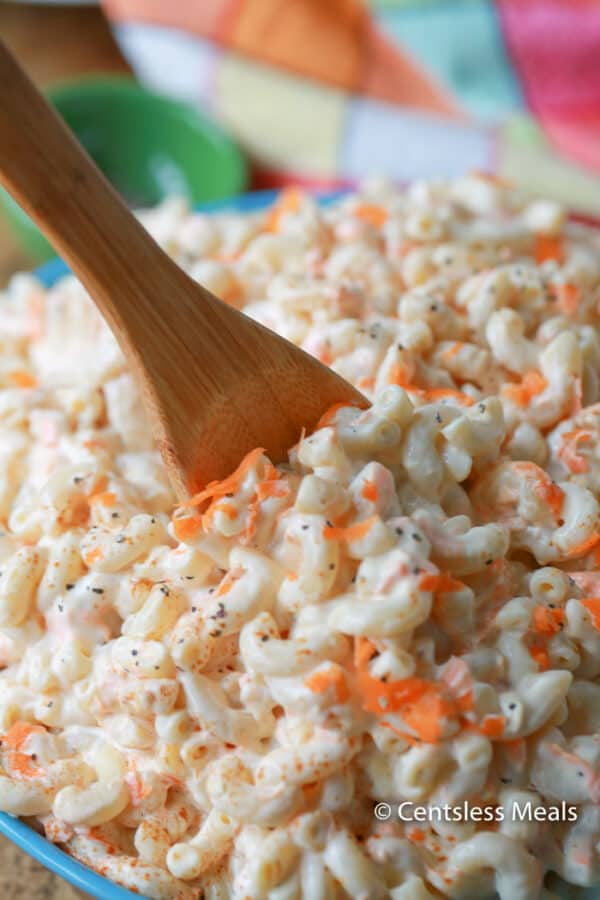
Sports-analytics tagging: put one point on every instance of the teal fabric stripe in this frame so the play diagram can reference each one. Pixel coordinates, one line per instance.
(460, 43)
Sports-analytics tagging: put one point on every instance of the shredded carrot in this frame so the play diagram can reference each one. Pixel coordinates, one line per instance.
(367, 383)
(457, 675)
(18, 733)
(94, 555)
(548, 621)
(453, 350)
(225, 587)
(186, 528)
(592, 604)
(364, 651)
(369, 491)
(333, 677)
(372, 213)
(543, 486)
(137, 790)
(94, 444)
(228, 582)
(351, 533)
(225, 258)
(569, 450)
(549, 246)
(464, 702)
(289, 200)
(21, 763)
(398, 694)
(442, 583)
(584, 547)
(531, 385)
(271, 473)
(271, 486)
(416, 835)
(446, 393)
(409, 738)
(429, 582)
(457, 678)
(540, 656)
(106, 498)
(574, 760)
(219, 506)
(398, 375)
(252, 521)
(426, 714)
(554, 497)
(492, 726)
(228, 485)
(380, 697)
(568, 297)
(421, 703)
(330, 414)
(266, 489)
(99, 485)
(23, 379)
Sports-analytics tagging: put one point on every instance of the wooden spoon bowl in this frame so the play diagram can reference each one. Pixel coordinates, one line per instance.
(215, 383)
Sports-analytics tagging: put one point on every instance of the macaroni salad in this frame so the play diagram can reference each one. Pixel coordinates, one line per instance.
(212, 700)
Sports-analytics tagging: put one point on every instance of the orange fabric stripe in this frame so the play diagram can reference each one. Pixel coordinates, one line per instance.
(209, 19)
(333, 41)
(323, 41)
(391, 75)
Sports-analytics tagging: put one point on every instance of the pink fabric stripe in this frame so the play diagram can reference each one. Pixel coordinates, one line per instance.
(555, 45)
(577, 138)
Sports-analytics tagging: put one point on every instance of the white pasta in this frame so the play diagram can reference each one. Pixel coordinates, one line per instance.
(235, 699)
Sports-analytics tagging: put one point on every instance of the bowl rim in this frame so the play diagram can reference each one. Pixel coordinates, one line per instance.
(252, 201)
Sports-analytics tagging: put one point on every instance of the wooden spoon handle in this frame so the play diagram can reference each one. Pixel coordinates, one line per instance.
(55, 181)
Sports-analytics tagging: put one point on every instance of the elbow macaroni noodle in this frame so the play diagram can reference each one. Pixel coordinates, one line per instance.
(209, 701)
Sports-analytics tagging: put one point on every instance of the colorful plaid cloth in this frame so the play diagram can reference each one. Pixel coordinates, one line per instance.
(327, 91)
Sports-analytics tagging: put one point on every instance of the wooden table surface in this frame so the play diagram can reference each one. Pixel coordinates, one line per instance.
(54, 44)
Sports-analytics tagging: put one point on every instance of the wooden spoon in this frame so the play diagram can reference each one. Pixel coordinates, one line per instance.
(215, 383)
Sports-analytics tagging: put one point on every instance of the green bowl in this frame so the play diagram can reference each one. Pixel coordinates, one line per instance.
(148, 146)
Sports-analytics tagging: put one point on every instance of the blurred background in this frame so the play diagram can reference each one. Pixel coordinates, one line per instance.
(56, 43)
(206, 98)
